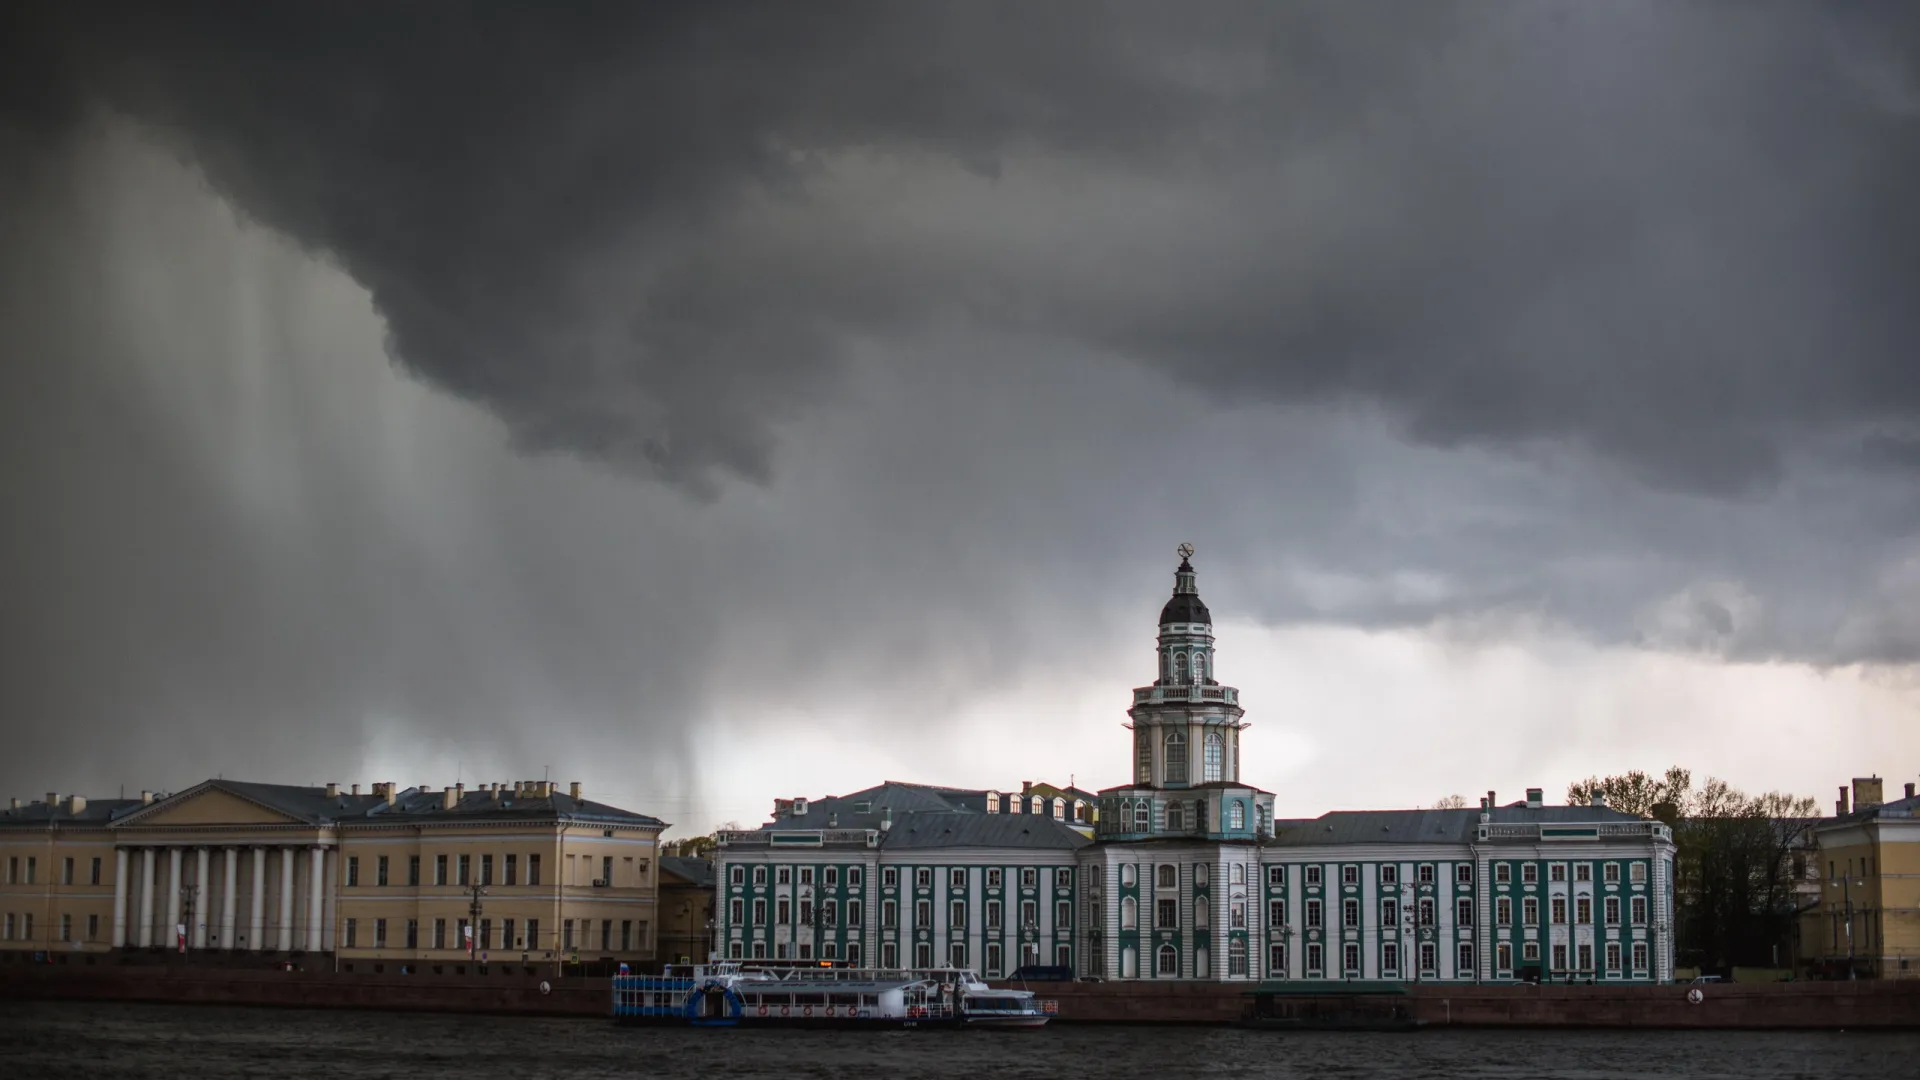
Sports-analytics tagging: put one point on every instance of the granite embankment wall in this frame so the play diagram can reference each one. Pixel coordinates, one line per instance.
(1867, 1004)
(1850, 1005)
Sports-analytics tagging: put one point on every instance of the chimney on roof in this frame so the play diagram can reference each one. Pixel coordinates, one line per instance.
(450, 798)
(333, 790)
(392, 795)
(1599, 801)
(1909, 789)
(1026, 787)
(1535, 798)
(13, 803)
(76, 803)
(573, 790)
(1492, 801)
(886, 818)
(1867, 793)
(356, 790)
(53, 798)
(498, 791)
(146, 798)
(1840, 807)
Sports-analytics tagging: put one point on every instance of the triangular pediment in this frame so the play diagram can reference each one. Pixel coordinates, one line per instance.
(208, 805)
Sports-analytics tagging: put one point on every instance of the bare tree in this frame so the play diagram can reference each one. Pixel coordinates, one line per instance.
(1452, 802)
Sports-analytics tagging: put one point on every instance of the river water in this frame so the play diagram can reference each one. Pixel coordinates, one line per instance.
(59, 1040)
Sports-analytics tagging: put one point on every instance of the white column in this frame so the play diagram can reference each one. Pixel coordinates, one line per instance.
(286, 899)
(316, 898)
(202, 901)
(121, 888)
(257, 929)
(229, 916)
(145, 936)
(173, 896)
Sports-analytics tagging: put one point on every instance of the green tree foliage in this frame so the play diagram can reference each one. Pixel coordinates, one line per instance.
(1733, 871)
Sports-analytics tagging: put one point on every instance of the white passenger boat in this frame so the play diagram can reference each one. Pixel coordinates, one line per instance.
(735, 993)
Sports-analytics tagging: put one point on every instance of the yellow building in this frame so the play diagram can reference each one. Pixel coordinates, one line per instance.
(521, 873)
(1866, 920)
(686, 909)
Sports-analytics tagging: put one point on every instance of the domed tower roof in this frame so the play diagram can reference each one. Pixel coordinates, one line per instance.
(1185, 605)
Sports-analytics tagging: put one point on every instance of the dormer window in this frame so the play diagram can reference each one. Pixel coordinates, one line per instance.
(799, 808)
(993, 802)
(1038, 805)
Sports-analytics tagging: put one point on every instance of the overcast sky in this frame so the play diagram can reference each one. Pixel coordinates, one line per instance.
(716, 402)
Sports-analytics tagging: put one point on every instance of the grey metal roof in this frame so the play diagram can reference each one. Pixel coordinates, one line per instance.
(314, 806)
(690, 870)
(96, 811)
(949, 829)
(1428, 826)
(843, 811)
(1898, 808)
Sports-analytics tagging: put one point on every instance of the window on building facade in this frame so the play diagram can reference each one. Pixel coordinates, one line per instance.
(439, 869)
(1143, 757)
(1503, 959)
(995, 955)
(439, 933)
(783, 910)
(993, 879)
(1313, 913)
(1129, 913)
(1167, 876)
(736, 875)
(1200, 874)
(379, 933)
(1276, 913)
(1530, 952)
(806, 875)
(1037, 805)
(889, 914)
(1350, 913)
(1213, 765)
(1559, 910)
(890, 878)
(1126, 875)
(922, 913)
(353, 871)
(1390, 958)
(1613, 958)
(806, 950)
(783, 875)
(1503, 911)
(1503, 873)
(1168, 914)
(1063, 878)
(1464, 960)
(1557, 872)
(1640, 956)
(1350, 954)
(854, 877)
(1463, 874)
(1277, 876)
(1179, 667)
(1583, 871)
(1349, 875)
(1610, 873)
(829, 912)
(853, 953)
(1142, 815)
(1463, 912)
(993, 914)
(1426, 911)
(1428, 957)
(1389, 913)
(1168, 962)
(1176, 817)
(1529, 873)
(1314, 966)
(466, 870)
(957, 954)
(1176, 758)
(759, 950)
(1029, 915)
(1063, 915)
(759, 876)
(1200, 912)
(993, 802)
(380, 871)
(1425, 873)
(1611, 909)
(923, 878)
(486, 869)
(759, 912)
(1638, 907)
(1389, 874)
(1029, 877)
(96, 872)
(1559, 958)
(1313, 875)
(736, 911)
(1238, 873)
(93, 928)
(353, 933)
(957, 914)
(1583, 911)
(1530, 911)
(1277, 961)
(923, 954)
(1638, 873)
(956, 878)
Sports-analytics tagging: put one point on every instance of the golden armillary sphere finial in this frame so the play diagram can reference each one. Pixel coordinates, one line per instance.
(1186, 551)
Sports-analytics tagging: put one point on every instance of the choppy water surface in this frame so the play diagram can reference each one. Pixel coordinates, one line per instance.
(57, 1040)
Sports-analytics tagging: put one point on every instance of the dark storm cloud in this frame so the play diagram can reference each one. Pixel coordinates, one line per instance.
(1675, 233)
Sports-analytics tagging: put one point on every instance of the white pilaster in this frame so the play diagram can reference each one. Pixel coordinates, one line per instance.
(286, 898)
(145, 937)
(173, 895)
(202, 901)
(257, 928)
(121, 887)
(228, 887)
(316, 897)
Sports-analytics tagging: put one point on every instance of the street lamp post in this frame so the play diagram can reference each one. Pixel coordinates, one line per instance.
(188, 895)
(1845, 885)
(473, 920)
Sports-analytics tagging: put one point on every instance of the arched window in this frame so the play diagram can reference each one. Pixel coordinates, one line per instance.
(1038, 804)
(1059, 808)
(1127, 874)
(1200, 963)
(1200, 913)
(1169, 962)
(1168, 876)
(1216, 753)
(1129, 963)
(1239, 873)
(1176, 758)
(1143, 815)
(993, 802)
(1143, 772)
(1199, 667)
(1237, 815)
(1129, 913)
(1236, 957)
(1179, 667)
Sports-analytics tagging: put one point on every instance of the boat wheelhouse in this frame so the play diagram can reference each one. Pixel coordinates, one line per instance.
(728, 994)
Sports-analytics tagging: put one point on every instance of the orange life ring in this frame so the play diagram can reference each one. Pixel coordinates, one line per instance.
(763, 1010)
(829, 1010)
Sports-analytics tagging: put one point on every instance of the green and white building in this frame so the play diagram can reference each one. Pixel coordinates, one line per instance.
(1188, 874)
